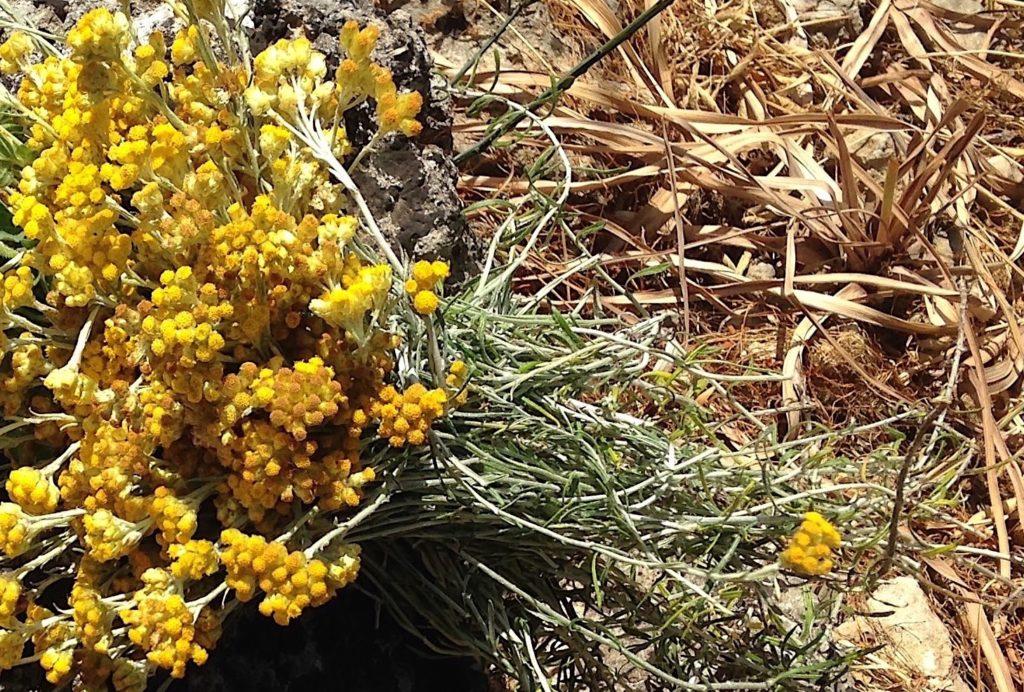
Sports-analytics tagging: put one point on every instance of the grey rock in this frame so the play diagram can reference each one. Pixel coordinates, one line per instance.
(966, 34)
(761, 271)
(826, 19)
(874, 151)
(916, 640)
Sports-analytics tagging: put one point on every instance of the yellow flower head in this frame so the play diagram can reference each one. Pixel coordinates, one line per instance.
(10, 594)
(425, 302)
(16, 529)
(15, 51)
(184, 48)
(35, 492)
(358, 43)
(161, 623)
(810, 549)
(100, 36)
(108, 536)
(194, 559)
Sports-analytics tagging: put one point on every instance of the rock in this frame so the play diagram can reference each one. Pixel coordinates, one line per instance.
(39, 14)
(915, 639)
(417, 188)
(966, 34)
(826, 20)
(58, 16)
(456, 29)
(761, 271)
(1006, 176)
(873, 152)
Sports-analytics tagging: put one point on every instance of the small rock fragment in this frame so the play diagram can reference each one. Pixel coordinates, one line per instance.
(916, 639)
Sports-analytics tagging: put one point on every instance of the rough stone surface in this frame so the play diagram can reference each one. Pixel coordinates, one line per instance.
(1007, 177)
(966, 34)
(456, 29)
(874, 151)
(915, 639)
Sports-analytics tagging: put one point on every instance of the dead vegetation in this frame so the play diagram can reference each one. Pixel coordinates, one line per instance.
(829, 192)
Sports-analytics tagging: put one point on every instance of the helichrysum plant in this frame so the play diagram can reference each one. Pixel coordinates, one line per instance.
(197, 341)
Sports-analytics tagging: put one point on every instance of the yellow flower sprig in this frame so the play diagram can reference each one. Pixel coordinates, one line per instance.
(424, 283)
(810, 549)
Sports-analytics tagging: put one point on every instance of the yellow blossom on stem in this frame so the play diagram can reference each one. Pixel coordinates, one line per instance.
(33, 490)
(12, 643)
(422, 285)
(290, 581)
(57, 664)
(184, 48)
(108, 536)
(16, 532)
(160, 623)
(14, 52)
(174, 518)
(194, 559)
(348, 306)
(99, 35)
(406, 417)
(92, 616)
(10, 594)
(810, 549)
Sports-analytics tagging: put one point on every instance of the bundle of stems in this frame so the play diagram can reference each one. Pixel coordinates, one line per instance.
(577, 523)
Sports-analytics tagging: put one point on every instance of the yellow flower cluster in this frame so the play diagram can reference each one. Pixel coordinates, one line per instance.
(194, 329)
(298, 398)
(12, 643)
(10, 593)
(14, 52)
(108, 536)
(162, 624)
(99, 36)
(93, 617)
(15, 530)
(363, 289)
(426, 278)
(290, 582)
(175, 519)
(810, 549)
(405, 417)
(57, 664)
(194, 560)
(16, 290)
(33, 490)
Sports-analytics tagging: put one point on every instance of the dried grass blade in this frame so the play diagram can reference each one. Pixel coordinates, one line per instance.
(978, 624)
(862, 48)
(886, 233)
(990, 433)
